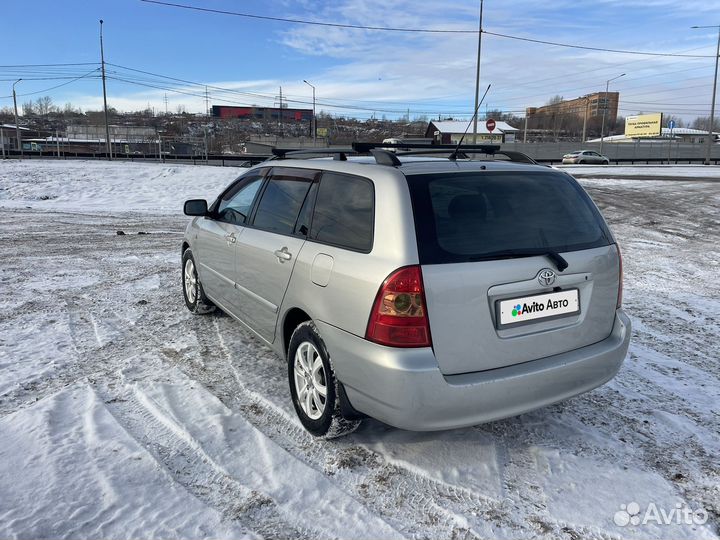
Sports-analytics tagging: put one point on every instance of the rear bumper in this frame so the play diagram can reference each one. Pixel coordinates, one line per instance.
(405, 388)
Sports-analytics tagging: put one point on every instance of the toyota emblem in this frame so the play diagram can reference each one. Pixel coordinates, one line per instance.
(546, 277)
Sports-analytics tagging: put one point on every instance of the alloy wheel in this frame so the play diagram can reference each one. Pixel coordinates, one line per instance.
(310, 380)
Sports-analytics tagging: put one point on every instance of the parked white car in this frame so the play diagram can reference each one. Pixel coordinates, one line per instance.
(582, 157)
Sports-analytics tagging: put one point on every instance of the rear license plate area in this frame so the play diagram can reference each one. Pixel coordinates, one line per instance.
(538, 307)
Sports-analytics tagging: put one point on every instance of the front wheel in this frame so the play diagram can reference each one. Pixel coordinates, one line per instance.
(313, 387)
(195, 298)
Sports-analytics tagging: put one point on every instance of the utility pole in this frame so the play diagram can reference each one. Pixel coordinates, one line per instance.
(314, 118)
(711, 136)
(107, 125)
(525, 130)
(2, 142)
(477, 75)
(17, 128)
(602, 129)
(280, 113)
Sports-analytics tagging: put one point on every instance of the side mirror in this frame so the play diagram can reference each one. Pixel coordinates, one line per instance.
(196, 207)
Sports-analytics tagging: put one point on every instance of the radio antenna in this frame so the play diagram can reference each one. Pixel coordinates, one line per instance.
(454, 155)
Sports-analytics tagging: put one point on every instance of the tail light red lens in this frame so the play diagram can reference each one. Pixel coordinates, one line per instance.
(399, 315)
(620, 280)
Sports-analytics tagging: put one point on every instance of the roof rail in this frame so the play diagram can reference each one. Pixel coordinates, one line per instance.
(384, 154)
(339, 154)
(367, 146)
(456, 152)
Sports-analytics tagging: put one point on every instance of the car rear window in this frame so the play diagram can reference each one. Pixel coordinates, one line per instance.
(462, 217)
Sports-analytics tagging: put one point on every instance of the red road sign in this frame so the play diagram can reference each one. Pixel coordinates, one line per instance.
(490, 125)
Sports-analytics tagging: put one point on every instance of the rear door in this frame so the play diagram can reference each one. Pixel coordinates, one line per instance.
(268, 248)
(481, 242)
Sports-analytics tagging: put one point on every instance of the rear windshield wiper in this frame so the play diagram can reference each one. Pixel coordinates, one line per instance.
(553, 255)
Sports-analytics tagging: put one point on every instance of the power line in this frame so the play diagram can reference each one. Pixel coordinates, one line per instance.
(56, 86)
(315, 23)
(417, 30)
(49, 65)
(588, 48)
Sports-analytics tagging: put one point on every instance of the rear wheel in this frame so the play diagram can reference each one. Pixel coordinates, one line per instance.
(195, 298)
(313, 387)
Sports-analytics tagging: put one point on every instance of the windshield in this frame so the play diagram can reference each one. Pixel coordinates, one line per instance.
(463, 217)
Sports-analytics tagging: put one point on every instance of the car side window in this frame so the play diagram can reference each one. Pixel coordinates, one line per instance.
(344, 212)
(282, 200)
(236, 204)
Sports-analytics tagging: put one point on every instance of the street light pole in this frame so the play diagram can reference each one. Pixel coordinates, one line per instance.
(314, 118)
(710, 141)
(477, 76)
(17, 129)
(602, 129)
(107, 125)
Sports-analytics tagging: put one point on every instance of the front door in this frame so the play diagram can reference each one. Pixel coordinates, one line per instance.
(218, 236)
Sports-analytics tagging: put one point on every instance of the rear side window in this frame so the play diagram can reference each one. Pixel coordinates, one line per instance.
(483, 215)
(282, 199)
(344, 212)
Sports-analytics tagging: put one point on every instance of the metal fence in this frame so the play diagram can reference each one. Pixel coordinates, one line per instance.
(648, 153)
(620, 152)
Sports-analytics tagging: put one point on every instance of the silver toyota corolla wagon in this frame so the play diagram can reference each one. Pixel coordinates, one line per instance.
(426, 292)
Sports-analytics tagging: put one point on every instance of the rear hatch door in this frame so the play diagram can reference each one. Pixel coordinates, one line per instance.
(492, 243)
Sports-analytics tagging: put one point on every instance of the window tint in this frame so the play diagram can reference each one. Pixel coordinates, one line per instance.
(236, 204)
(469, 216)
(344, 212)
(280, 203)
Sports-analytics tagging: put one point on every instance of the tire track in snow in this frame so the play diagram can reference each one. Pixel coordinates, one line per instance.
(185, 461)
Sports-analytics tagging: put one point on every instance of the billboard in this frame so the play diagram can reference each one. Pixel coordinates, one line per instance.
(643, 125)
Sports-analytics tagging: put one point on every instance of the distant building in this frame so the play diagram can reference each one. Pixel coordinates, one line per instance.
(8, 138)
(125, 134)
(594, 103)
(451, 131)
(263, 113)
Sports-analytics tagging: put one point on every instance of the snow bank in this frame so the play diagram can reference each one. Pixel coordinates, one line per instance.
(101, 186)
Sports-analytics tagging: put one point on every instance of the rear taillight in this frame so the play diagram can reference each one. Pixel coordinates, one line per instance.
(620, 279)
(399, 315)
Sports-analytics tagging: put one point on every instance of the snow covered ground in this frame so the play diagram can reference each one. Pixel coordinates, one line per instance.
(124, 416)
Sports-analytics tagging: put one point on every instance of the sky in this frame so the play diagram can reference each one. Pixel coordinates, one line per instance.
(362, 73)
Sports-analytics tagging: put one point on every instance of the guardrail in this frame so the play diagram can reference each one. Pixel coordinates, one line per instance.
(247, 160)
(645, 161)
(223, 160)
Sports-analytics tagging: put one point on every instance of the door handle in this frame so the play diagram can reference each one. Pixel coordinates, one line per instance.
(230, 238)
(283, 254)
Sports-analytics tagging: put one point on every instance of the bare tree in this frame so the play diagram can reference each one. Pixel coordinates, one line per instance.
(701, 122)
(28, 108)
(44, 105)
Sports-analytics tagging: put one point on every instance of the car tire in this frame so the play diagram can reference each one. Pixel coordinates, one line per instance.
(193, 292)
(310, 373)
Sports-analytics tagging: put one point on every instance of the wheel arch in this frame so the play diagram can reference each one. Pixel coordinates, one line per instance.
(293, 318)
